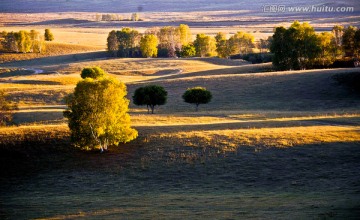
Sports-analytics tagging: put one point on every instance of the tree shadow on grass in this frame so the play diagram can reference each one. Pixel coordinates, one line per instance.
(56, 60)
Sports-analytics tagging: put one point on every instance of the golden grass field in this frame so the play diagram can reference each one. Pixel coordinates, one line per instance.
(251, 106)
(269, 145)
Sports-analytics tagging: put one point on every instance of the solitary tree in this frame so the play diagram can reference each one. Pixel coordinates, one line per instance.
(48, 35)
(150, 96)
(148, 45)
(92, 72)
(98, 114)
(197, 96)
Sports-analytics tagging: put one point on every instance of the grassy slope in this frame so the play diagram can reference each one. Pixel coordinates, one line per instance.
(267, 142)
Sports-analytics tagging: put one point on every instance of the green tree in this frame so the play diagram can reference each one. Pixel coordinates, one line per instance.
(92, 72)
(49, 36)
(348, 41)
(296, 47)
(197, 96)
(188, 51)
(223, 48)
(129, 40)
(241, 43)
(326, 39)
(113, 43)
(338, 32)
(205, 45)
(98, 114)
(150, 96)
(6, 109)
(148, 45)
(357, 43)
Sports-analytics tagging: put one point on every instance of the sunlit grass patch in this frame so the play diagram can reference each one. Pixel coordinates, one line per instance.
(281, 137)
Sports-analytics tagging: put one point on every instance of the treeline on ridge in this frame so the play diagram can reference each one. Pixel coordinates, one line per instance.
(296, 47)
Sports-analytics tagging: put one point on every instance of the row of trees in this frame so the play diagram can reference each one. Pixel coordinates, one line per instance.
(177, 42)
(97, 111)
(25, 41)
(116, 17)
(154, 95)
(299, 47)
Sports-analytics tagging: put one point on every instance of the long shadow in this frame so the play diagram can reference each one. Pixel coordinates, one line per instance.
(246, 125)
(57, 60)
(66, 21)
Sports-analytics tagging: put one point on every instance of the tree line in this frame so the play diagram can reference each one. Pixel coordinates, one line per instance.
(176, 42)
(116, 17)
(300, 47)
(25, 41)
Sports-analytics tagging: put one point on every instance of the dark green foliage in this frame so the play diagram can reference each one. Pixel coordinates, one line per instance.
(350, 80)
(150, 96)
(197, 96)
(92, 72)
(48, 35)
(296, 47)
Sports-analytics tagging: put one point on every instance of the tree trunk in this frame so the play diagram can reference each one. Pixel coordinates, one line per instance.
(152, 108)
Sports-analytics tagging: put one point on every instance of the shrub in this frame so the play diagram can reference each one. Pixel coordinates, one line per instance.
(92, 72)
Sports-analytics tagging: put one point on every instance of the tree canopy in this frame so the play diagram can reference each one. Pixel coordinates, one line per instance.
(23, 42)
(92, 72)
(205, 45)
(150, 96)
(98, 114)
(296, 47)
(148, 45)
(197, 96)
(49, 36)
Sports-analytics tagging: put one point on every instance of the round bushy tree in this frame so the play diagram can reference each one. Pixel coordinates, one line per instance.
(197, 96)
(92, 72)
(48, 35)
(150, 96)
(98, 114)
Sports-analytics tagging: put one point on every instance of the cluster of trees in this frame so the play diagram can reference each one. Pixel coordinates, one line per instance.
(23, 42)
(116, 17)
(177, 42)
(154, 95)
(299, 47)
(97, 111)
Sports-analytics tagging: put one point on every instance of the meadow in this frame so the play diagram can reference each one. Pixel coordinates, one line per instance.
(270, 145)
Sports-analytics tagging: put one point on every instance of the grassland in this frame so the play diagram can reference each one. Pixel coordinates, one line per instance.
(269, 145)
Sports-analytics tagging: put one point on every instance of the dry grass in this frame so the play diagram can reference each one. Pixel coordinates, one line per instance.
(52, 49)
(14, 135)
